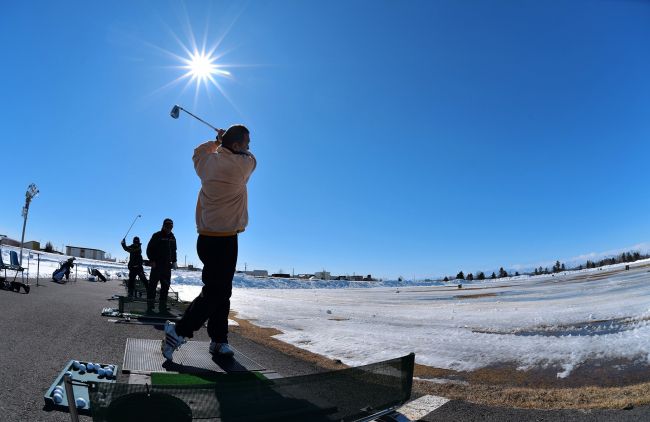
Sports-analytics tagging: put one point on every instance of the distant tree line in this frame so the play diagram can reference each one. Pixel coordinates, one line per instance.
(624, 257)
(558, 267)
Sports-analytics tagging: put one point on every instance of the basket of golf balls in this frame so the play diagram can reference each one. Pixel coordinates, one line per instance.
(81, 373)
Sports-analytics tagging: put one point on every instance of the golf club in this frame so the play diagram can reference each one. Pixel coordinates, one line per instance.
(130, 227)
(176, 111)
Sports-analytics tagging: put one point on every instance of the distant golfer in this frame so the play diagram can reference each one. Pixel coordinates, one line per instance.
(135, 265)
(161, 251)
(224, 167)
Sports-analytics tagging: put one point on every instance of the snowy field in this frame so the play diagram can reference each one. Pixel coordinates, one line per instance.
(560, 320)
(532, 321)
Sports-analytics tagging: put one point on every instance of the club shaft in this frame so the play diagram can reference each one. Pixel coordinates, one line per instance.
(198, 118)
(131, 226)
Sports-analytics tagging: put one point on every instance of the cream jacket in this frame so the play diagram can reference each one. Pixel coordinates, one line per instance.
(222, 206)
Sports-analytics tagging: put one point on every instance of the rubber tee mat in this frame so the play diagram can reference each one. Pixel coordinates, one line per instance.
(144, 356)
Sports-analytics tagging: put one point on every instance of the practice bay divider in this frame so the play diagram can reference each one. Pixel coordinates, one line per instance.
(361, 393)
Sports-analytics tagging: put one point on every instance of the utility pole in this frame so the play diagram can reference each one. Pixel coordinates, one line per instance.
(32, 191)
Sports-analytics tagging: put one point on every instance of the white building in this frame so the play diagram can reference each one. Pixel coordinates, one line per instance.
(85, 253)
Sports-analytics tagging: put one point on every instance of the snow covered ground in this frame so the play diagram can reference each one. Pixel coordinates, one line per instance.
(560, 320)
(533, 321)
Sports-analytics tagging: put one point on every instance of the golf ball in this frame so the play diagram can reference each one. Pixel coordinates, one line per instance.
(75, 364)
(82, 368)
(101, 372)
(90, 366)
(68, 373)
(108, 372)
(81, 402)
(58, 398)
(58, 390)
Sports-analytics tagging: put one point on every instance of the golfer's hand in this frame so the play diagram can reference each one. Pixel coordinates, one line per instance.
(219, 139)
(123, 241)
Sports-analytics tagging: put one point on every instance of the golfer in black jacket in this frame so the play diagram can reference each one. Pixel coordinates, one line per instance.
(135, 264)
(161, 252)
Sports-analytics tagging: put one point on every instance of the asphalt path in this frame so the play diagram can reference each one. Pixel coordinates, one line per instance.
(42, 331)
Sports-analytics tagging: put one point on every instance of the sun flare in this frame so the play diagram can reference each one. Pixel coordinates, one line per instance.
(201, 67)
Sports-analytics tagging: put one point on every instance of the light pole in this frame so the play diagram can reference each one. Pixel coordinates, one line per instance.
(32, 191)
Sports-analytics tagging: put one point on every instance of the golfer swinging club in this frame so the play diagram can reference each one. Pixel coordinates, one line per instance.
(224, 167)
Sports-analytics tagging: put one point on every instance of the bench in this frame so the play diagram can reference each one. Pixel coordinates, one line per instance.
(13, 265)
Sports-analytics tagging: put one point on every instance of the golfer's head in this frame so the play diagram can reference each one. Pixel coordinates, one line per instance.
(136, 240)
(237, 137)
(168, 225)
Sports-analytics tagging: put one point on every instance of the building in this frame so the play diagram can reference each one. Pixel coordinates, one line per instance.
(322, 275)
(255, 273)
(33, 245)
(9, 241)
(89, 253)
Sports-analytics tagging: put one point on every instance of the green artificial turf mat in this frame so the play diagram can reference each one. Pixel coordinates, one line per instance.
(165, 378)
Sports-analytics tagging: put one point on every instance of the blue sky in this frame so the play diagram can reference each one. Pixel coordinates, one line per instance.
(394, 138)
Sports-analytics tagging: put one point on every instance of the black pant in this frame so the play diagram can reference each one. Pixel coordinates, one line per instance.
(161, 272)
(133, 273)
(219, 258)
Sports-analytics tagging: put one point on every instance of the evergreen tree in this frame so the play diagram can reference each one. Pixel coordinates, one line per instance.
(563, 268)
(556, 267)
(502, 273)
(516, 273)
(470, 277)
(49, 247)
(446, 278)
(493, 276)
(460, 276)
(480, 276)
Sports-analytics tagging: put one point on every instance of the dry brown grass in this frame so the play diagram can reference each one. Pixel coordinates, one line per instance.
(541, 398)
(476, 296)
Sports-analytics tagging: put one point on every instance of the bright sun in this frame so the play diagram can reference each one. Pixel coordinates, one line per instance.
(201, 67)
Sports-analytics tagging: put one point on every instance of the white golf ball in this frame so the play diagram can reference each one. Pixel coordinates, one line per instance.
(58, 390)
(58, 398)
(75, 364)
(101, 372)
(108, 372)
(90, 366)
(82, 368)
(68, 373)
(81, 402)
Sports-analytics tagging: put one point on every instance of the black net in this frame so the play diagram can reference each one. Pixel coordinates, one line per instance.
(344, 395)
(140, 306)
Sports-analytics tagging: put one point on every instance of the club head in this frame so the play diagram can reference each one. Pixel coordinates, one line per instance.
(175, 112)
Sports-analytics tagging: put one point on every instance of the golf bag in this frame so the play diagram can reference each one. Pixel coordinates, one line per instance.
(58, 275)
(14, 286)
(98, 274)
(63, 271)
